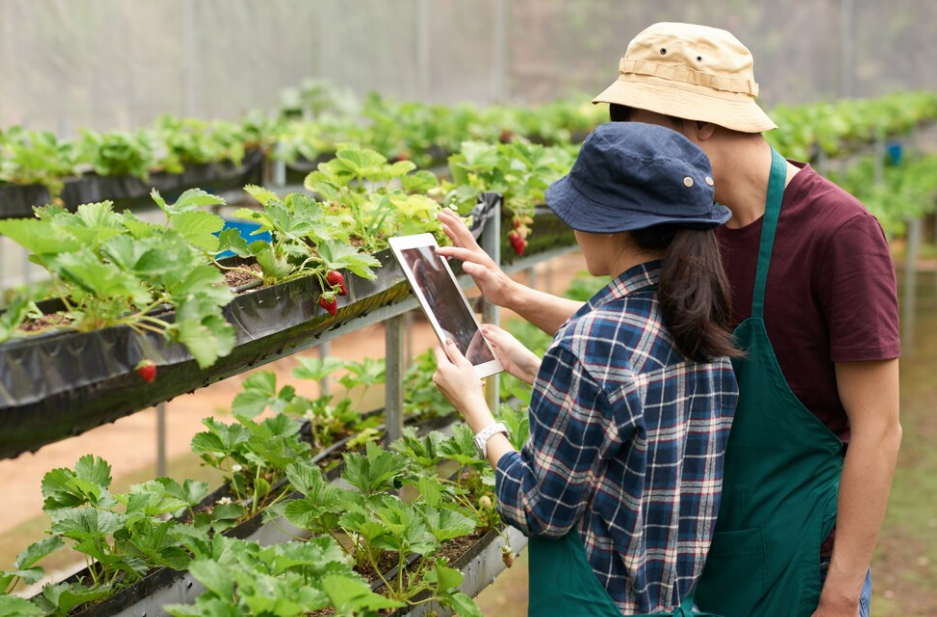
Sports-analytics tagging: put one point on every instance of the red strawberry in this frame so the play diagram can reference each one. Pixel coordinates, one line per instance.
(329, 304)
(506, 136)
(517, 242)
(147, 370)
(335, 279)
(403, 156)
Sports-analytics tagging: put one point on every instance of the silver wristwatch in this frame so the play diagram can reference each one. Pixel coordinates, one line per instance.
(481, 439)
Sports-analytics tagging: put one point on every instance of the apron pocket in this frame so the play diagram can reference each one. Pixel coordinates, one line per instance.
(736, 561)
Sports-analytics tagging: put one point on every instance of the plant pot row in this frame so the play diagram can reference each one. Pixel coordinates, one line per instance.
(17, 201)
(167, 586)
(63, 383)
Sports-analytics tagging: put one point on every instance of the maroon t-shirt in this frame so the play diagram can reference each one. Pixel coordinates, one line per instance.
(831, 293)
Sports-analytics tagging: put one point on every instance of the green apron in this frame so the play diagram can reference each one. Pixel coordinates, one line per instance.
(782, 473)
(563, 584)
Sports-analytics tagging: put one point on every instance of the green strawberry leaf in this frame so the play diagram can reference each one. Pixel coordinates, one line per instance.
(447, 524)
(214, 576)
(60, 599)
(374, 471)
(39, 237)
(260, 392)
(264, 196)
(14, 606)
(420, 182)
(198, 228)
(36, 551)
(352, 596)
(338, 256)
(201, 328)
(315, 369)
(231, 240)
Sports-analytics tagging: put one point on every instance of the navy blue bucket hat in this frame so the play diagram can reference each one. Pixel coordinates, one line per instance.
(631, 175)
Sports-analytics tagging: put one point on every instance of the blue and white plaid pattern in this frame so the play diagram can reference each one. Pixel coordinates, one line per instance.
(626, 446)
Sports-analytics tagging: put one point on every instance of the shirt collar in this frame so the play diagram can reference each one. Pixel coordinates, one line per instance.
(637, 278)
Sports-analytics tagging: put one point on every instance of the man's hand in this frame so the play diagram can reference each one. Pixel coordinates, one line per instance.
(494, 284)
(516, 359)
(456, 379)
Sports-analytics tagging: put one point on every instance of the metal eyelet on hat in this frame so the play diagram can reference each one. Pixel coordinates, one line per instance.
(709, 181)
(663, 51)
(688, 182)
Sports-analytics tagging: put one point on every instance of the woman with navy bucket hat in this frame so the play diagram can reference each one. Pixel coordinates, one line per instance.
(619, 484)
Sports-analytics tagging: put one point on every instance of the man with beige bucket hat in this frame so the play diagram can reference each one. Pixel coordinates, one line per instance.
(815, 311)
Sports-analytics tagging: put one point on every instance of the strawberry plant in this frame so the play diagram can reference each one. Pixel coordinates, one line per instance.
(252, 455)
(192, 141)
(110, 269)
(35, 157)
(361, 186)
(379, 523)
(285, 580)
(520, 172)
(118, 153)
(306, 240)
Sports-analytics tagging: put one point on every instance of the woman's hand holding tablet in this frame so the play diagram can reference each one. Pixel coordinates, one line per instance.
(443, 301)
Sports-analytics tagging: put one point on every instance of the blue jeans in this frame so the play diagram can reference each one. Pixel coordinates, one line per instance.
(865, 598)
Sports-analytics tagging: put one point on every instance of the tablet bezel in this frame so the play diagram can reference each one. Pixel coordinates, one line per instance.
(401, 243)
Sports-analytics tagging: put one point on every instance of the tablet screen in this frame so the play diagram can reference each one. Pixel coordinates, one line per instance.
(444, 298)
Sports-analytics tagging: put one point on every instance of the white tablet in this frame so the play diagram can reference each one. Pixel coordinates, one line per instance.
(443, 301)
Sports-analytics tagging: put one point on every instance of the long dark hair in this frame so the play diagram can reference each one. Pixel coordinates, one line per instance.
(693, 290)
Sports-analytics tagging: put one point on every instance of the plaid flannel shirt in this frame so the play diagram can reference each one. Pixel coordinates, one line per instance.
(626, 447)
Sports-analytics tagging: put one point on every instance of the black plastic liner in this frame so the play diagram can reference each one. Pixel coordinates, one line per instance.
(62, 384)
(17, 201)
(130, 191)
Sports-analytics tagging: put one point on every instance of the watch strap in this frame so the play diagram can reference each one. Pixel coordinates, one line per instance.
(482, 437)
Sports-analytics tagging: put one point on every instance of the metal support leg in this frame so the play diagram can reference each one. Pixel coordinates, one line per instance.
(491, 244)
(161, 440)
(395, 339)
(910, 285)
(279, 173)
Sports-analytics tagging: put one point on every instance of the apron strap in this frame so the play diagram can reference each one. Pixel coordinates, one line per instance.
(768, 227)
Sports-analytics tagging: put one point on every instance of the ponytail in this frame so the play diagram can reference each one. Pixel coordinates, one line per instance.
(693, 290)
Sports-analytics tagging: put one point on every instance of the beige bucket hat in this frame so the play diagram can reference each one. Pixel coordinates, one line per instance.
(692, 72)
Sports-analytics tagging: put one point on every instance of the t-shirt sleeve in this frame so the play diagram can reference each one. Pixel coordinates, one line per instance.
(858, 293)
